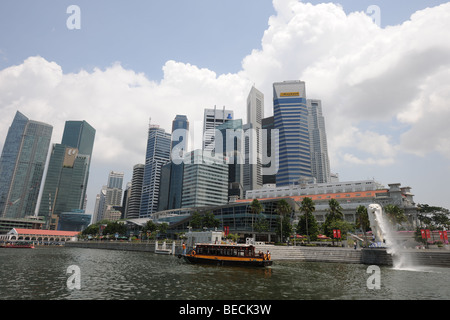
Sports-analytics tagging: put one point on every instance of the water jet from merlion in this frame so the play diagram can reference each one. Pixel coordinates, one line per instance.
(385, 236)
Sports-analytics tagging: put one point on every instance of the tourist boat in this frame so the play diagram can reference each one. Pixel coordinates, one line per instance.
(17, 245)
(227, 254)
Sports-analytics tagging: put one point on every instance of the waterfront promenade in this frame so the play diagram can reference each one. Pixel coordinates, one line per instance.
(378, 256)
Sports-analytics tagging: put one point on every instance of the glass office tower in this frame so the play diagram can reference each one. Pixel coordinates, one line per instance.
(291, 119)
(180, 124)
(22, 166)
(68, 172)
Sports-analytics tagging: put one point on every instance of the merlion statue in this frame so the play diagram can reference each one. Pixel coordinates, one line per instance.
(375, 211)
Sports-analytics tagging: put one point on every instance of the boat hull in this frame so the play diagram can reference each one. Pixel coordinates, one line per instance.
(18, 246)
(223, 261)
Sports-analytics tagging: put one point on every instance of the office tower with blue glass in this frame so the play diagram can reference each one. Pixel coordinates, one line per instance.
(67, 175)
(290, 113)
(157, 155)
(22, 166)
(180, 129)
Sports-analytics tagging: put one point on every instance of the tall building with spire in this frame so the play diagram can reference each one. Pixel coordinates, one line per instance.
(158, 154)
(22, 165)
(320, 163)
(253, 141)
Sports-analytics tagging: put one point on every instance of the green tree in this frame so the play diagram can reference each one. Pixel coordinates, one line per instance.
(307, 223)
(284, 227)
(196, 220)
(261, 224)
(362, 220)
(113, 227)
(256, 208)
(333, 218)
(207, 220)
(395, 214)
(435, 218)
(150, 227)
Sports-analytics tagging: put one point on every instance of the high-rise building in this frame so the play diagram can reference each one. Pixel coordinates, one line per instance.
(115, 180)
(179, 142)
(212, 119)
(232, 144)
(134, 202)
(291, 119)
(114, 189)
(268, 126)
(253, 141)
(205, 180)
(67, 173)
(320, 164)
(22, 165)
(158, 154)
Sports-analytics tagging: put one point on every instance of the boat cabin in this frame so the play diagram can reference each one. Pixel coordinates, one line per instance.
(225, 250)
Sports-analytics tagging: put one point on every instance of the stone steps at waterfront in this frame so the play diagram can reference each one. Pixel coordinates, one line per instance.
(302, 253)
(438, 258)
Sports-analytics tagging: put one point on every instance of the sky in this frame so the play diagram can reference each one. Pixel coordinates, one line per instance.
(381, 69)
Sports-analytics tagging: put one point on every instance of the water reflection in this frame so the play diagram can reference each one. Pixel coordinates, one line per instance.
(118, 275)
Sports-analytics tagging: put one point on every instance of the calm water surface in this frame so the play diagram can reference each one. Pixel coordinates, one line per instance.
(124, 275)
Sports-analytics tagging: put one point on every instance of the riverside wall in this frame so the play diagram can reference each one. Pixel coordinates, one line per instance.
(375, 256)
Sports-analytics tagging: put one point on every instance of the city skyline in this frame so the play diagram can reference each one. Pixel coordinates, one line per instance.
(383, 88)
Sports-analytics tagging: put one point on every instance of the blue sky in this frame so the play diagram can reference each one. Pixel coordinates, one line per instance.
(383, 88)
(143, 34)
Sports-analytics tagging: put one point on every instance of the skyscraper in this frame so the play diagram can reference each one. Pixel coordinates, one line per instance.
(212, 119)
(253, 140)
(136, 192)
(268, 126)
(68, 173)
(158, 154)
(110, 197)
(291, 119)
(22, 166)
(180, 128)
(205, 181)
(320, 164)
(232, 144)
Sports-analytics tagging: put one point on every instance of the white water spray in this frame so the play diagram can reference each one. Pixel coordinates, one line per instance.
(384, 233)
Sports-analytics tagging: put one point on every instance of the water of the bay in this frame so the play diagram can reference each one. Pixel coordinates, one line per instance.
(42, 274)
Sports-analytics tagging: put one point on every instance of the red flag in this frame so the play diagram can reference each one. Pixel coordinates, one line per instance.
(428, 233)
(422, 232)
(338, 233)
(441, 235)
(445, 235)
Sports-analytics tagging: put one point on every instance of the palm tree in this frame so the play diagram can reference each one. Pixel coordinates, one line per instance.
(307, 207)
(283, 208)
(333, 218)
(335, 211)
(362, 220)
(256, 208)
(395, 214)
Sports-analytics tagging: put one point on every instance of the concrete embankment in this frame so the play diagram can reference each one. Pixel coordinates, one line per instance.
(439, 258)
